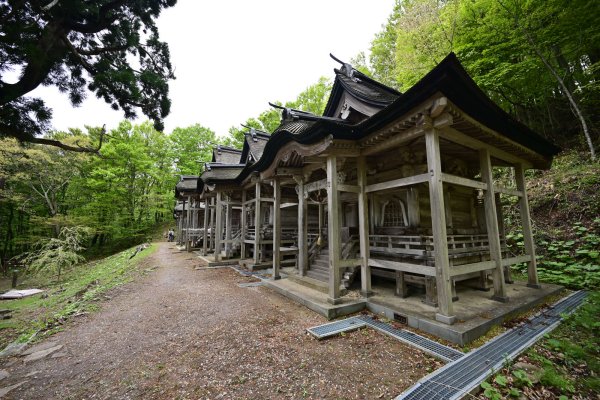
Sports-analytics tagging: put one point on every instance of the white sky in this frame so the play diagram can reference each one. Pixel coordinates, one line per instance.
(232, 57)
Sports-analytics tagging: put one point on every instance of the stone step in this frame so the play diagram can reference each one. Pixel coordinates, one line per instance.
(318, 275)
(320, 263)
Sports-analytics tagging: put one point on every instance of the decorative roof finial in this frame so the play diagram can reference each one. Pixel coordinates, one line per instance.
(346, 69)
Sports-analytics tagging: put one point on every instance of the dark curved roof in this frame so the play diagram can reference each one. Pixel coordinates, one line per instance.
(226, 155)
(448, 78)
(254, 144)
(186, 184)
(361, 87)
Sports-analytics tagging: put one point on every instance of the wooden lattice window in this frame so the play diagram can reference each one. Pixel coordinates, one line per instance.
(394, 214)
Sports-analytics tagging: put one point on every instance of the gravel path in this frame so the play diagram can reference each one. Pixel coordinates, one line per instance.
(195, 334)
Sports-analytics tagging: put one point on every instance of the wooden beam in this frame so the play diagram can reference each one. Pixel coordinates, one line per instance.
(491, 220)
(316, 185)
(286, 171)
(508, 191)
(460, 181)
(396, 183)
(516, 260)
(445, 312)
(460, 138)
(401, 266)
(472, 267)
(532, 276)
(348, 188)
(276, 228)
(333, 208)
(393, 141)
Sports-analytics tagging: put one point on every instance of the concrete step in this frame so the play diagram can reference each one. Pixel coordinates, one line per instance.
(318, 275)
(316, 284)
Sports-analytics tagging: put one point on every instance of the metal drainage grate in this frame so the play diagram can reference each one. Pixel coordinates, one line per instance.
(333, 328)
(429, 346)
(456, 379)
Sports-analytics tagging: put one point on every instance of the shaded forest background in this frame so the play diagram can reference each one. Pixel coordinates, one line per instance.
(538, 60)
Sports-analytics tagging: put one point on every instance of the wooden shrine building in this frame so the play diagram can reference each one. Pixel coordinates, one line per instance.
(387, 185)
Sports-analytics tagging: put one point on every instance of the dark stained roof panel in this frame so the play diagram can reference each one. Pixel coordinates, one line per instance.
(226, 155)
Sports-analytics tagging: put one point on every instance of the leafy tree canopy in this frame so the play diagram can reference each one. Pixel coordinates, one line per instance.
(109, 47)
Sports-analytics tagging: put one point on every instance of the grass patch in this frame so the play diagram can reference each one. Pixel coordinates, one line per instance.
(78, 293)
(568, 357)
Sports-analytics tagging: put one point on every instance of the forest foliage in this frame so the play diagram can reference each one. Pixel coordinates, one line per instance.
(529, 57)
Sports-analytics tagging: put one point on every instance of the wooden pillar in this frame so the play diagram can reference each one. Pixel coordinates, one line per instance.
(333, 230)
(321, 212)
(401, 287)
(302, 228)
(445, 312)
(363, 228)
(532, 276)
(491, 221)
(212, 225)
(276, 227)
(219, 227)
(228, 235)
(205, 233)
(412, 205)
(243, 223)
(257, 225)
(188, 224)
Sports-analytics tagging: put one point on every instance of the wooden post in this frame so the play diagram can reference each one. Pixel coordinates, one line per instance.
(212, 224)
(302, 228)
(205, 233)
(276, 227)
(412, 204)
(401, 287)
(363, 228)
(257, 225)
(445, 312)
(532, 276)
(188, 237)
(228, 218)
(333, 230)
(219, 227)
(243, 227)
(321, 212)
(491, 221)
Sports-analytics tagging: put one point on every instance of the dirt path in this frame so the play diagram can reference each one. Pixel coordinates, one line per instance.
(190, 334)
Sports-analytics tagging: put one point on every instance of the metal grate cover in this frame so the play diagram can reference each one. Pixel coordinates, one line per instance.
(457, 378)
(429, 346)
(333, 328)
